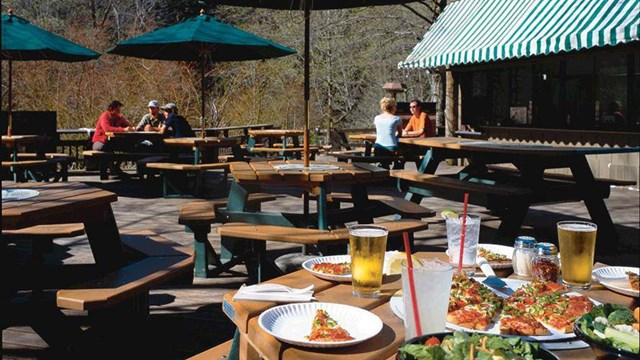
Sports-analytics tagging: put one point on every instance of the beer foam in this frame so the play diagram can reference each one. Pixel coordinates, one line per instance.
(368, 232)
(577, 227)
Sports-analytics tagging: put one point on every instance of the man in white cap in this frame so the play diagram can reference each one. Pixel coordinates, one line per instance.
(153, 120)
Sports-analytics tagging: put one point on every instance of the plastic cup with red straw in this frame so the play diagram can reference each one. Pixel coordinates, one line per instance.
(463, 230)
(412, 286)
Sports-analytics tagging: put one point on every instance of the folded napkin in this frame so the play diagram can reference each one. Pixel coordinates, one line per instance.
(274, 292)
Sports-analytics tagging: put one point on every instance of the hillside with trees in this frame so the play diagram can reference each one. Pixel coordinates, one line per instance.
(354, 52)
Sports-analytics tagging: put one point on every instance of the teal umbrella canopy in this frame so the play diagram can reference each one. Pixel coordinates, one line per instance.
(23, 41)
(198, 37)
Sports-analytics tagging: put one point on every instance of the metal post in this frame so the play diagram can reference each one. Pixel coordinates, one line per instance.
(10, 120)
(203, 122)
(307, 59)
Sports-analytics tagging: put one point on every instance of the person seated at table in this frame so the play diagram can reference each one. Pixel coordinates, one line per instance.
(109, 121)
(176, 125)
(388, 128)
(419, 125)
(153, 120)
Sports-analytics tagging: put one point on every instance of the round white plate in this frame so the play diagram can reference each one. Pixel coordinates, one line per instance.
(615, 279)
(292, 323)
(308, 265)
(397, 307)
(18, 194)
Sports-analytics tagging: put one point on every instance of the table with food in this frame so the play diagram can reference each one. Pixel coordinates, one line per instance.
(515, 303)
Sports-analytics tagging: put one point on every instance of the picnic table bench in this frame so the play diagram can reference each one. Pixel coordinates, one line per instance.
(197, 217)
(253, 238)
(531, 161)
(181, 179)
(107, 158)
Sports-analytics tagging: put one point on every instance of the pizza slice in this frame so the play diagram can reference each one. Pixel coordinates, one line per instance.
(515, 320)
(325, 328)
(540, 288)
(559, 312)
(493, 257)
(634, 280)
(332, 268)
(476, 317)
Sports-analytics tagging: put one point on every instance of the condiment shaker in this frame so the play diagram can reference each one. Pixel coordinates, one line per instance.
(546, 265)
(523, 249)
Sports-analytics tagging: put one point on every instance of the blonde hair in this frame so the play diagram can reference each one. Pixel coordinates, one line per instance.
(388, 104)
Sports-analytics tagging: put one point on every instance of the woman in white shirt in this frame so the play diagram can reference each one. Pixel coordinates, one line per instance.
(388, 128)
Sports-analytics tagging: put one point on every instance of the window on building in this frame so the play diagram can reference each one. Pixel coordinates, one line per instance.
(520, 90)
(578, 93)
(611, 111)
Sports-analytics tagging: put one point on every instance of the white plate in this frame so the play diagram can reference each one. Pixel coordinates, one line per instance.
(18, 194)
(498, 249)
(615, 278)
(397, 307)
(292, 323)
(308, 265)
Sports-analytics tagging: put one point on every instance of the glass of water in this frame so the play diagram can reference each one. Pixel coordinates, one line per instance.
(472, 235)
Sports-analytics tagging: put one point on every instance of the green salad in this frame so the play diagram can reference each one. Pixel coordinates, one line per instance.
(462, 346)
(613, 325)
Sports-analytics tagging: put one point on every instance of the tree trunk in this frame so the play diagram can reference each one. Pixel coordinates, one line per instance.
(451, 122)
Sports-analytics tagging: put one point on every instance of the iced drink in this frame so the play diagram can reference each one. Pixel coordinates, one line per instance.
(368, 244)
(472, 234)
(577, 240)
(432, 280)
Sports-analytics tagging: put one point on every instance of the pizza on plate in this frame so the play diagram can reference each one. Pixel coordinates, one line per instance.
(332, 268)
(532, 310)
(325, 328)
(634, 280)
(493, 257)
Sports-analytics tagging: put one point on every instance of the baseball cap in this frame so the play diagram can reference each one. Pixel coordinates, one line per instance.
(153, 103)
(168, 106)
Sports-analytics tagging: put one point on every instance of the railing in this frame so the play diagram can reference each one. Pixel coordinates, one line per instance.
(74, 141)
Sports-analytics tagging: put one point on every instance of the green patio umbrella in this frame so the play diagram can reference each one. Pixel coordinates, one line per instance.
(307, 6)
(201, 39)
(23, 41)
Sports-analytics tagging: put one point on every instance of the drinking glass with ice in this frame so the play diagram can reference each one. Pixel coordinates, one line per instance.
(472, 235)
(432, 282)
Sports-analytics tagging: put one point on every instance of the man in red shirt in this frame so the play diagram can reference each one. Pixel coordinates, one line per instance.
(109, 121)
(419, 125)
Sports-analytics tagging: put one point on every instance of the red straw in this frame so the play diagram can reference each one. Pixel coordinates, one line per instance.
(463, 230)
(412, 287)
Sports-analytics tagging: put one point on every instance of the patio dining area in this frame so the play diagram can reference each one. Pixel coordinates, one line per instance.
(185, 320)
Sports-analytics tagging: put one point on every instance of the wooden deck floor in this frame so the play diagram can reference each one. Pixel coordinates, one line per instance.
(187, 320)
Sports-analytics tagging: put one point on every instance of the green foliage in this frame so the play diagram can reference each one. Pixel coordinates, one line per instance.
(353, 53)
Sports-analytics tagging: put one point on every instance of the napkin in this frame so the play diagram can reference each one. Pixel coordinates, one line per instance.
(274, 293)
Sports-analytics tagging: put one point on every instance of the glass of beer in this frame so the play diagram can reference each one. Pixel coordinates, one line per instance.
(577, 240)
(368, 244)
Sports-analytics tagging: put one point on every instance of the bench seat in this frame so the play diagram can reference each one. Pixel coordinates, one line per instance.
(197, 217)
(52, 231)
(105, 158)
(163, 261)
(252, 239)
(563, 177)
(184, 179)
(391, 204)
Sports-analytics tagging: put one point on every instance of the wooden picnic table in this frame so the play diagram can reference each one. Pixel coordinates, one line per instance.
(369, 140)
(254, 342)
(14, 142)
(206, 149)
(276, 142)
(531, 161)
(248, 176)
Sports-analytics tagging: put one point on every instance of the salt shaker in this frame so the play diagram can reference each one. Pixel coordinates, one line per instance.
(546, 265)
(523, 254)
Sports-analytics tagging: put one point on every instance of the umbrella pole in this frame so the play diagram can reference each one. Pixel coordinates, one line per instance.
(307, 58)
(203, 123)
(9, 117)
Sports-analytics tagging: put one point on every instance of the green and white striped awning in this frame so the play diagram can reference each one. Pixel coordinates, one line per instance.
(475, 31)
